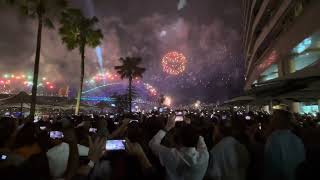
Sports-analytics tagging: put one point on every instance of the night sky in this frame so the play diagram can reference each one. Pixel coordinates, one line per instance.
(207, 32)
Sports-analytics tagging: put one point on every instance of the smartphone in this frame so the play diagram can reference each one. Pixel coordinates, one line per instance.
(179, 118)
(260, 127)
(93, 130)
(56, 135)
(3, 157)
(133, 121)
(115, 145)
(43, 128)
(36, 119)
(116, 123)
(248, 118)
(179, 113)
(161, 110)
(224, 117)
(111, 116)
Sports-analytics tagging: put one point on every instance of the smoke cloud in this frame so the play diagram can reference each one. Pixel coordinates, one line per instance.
(207, 32)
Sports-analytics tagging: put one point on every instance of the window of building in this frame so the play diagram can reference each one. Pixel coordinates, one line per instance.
(305, 53)
(302, 61)
(271, 73)
(302, 46)
(309, 108)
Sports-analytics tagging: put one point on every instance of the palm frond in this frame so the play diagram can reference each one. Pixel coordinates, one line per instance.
(76, 29)
(48, 23)
(130, 67)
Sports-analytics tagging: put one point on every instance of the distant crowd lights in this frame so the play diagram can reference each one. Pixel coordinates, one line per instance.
(197, 104)
(167, 101)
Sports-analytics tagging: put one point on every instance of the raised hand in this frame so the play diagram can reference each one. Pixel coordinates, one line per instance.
(96, 148)
(171, 122)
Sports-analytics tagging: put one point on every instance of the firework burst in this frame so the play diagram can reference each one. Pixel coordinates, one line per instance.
(174, 63)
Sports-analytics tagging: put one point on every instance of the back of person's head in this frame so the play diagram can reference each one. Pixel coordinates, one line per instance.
(26, 136)
(36, 167)
(124, 166)
(134, 132)
(225, 128)
(7, 128)
(187, 136)
(82, 135)
(281, 119)
(221, 130)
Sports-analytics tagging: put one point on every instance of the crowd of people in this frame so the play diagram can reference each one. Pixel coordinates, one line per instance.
(172, 145)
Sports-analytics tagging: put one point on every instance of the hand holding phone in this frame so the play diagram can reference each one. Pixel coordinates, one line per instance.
(56, 135)
(178, 118)
(115, 145)
(93, 130)
(133, 121)
(3, 157)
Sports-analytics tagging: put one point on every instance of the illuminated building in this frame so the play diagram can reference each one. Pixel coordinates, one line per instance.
(281, 41)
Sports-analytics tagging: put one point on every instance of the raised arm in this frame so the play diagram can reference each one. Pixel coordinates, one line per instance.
(155, 142)
(201, 144)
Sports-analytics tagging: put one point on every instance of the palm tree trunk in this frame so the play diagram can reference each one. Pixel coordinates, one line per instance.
(130, 94)
(36, 69)
(82, 51)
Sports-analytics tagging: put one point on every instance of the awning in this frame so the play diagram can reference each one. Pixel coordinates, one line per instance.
(241, 100)
(22, 97)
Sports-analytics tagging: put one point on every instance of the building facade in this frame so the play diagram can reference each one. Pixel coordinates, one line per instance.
(281, 38)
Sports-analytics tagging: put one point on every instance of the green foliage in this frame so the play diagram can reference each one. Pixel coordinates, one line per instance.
(130, 67)
(44, 9)
(78, 31)
(121, 102)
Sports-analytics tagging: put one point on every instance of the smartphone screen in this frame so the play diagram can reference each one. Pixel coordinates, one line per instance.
(179, 118)
(56, 135)
(248, 117)
(3, 157)
(179, 113)
(93, 130)
(115, 145)
(134, 121)
(111, 116)
(43, 128)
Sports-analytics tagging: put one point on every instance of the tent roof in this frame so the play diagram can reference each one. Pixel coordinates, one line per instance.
(241, 100)
(22, 97)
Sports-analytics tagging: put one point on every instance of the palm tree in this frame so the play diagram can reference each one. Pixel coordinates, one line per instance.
(130, 69)
(42, 10)
(78, 31)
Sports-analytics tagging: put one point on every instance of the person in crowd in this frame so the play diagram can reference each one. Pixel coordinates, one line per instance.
(229, 159)
(58, 155)
(189, 160)
(284, 151)
(8, 130)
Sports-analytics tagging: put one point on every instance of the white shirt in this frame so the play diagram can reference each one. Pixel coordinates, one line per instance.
(284, 151)
(183, 164)
(58, 158)
(229, 160)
